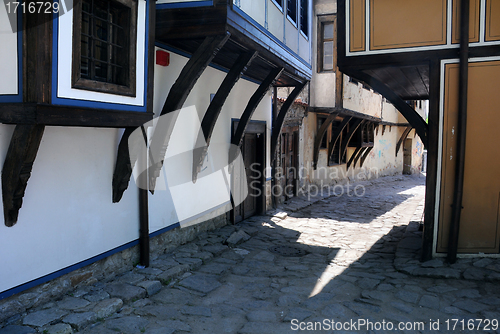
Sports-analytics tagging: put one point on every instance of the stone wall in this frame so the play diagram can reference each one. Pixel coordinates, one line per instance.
(13, 308)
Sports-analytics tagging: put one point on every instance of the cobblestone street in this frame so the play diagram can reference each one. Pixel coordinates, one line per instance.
(338, 259)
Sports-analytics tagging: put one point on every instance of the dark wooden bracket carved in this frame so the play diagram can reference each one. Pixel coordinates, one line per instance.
(177, 95)
(319, 137)
(355, 157)
(416, 121)
(17, 168)
(403, 138)
(213, 110)
(254, 101)
(336, 134)
(352, 130)
(280, 119)
(365, 155)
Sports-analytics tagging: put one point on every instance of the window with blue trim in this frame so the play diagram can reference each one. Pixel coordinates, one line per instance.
(104, 46)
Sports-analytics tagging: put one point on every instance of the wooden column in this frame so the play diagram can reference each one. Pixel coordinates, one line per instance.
(213, 110)
(177, 95)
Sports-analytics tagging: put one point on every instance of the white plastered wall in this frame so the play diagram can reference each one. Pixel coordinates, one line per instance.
(8, 55)
(67, 214)
(162, 209)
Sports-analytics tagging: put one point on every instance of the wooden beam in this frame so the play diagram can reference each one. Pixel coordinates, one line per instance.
(213, 110)
(360, 154)
(278, 122)
(336, 134)
(416, 121)
(365, 155)
(254, 101)
(353, 156)
(17, 168)
(319, 138)
(352, 130)
(403, 138)
(177, 95)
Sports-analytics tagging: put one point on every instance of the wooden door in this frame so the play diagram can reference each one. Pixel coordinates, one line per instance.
(252, 174)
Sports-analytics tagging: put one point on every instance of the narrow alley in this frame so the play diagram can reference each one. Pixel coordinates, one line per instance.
(310, 267)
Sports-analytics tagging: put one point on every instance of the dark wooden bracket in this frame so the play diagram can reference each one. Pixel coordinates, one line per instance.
(254, 101)
(353, 157)
(403, 138)
(319, 137)
(280, 119)
(365, 155)
(213, 110)
(416, 121)
(352, 130)
(17, 168)
(336, 134)
(177, 95)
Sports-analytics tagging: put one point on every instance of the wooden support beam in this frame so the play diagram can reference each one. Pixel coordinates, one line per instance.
(353, 157)
(319, 138)
(254, 101)
(416, 121)
(177, 95)
(336, 134)
(403, 138)
(213, 110)
(352, 130)
(365, 155)
(17, 168)
(280, 119)
(360, 154)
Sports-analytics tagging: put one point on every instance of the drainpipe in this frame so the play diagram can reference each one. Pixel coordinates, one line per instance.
(143, 208)
(273, 160)
(461, 131)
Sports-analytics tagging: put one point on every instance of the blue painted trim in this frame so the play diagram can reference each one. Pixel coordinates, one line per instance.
(269, 179)
(271, 36)
(188, 4)
(187, 55)
(277, 5)
(76, 266)
(95, 104)
(163, 230)
(65, 271)
(10, 98)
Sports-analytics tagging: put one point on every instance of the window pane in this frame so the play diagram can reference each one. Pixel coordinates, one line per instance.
(304, 16)
(292, 9)
(328, 55)
(328, 31)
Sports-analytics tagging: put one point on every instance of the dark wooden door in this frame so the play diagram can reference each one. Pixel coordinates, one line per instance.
(252, 174)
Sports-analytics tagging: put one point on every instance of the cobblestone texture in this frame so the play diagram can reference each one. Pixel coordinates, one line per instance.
(360, 262)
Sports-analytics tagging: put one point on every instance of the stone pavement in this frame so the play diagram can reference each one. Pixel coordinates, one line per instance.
(331, 261)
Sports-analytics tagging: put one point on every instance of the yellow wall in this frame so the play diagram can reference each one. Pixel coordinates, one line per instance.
(479, 230)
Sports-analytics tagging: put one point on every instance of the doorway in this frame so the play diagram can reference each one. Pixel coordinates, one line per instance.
(250, 178)
(407, 156)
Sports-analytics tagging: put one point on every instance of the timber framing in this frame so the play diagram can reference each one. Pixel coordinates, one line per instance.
(403, 137)
(177, 95)
(354, 157)
(278, 122)
(336, 135)
(365, 155)
(213, 110)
